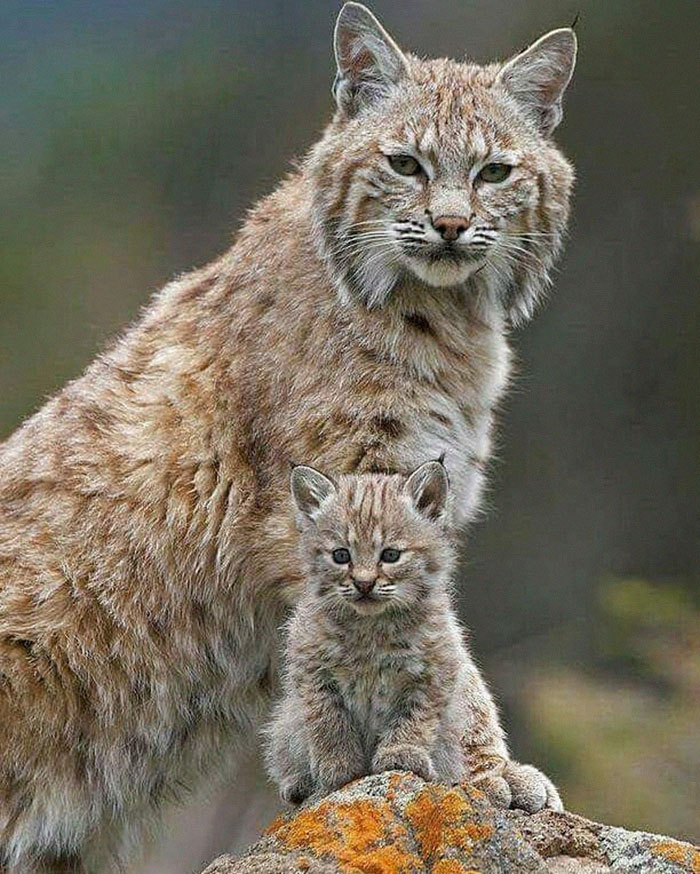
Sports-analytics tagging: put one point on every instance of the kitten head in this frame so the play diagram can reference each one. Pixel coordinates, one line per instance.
(442, 171)
(375, 541)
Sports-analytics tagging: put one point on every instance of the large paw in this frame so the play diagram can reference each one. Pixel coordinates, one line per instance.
(403, 758)
(530, 789)
(496, 789)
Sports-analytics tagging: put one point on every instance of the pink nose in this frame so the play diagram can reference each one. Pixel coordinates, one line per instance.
(364, 587)
(450, 226)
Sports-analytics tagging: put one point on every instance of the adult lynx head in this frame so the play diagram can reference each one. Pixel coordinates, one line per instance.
(443, 171)
(374, 541)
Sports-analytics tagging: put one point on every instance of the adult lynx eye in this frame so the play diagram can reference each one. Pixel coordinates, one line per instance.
(495, 172)
(390, 555)
(406, 165)
(341, 556)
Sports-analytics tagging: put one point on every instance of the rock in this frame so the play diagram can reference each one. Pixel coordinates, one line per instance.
(396, 823)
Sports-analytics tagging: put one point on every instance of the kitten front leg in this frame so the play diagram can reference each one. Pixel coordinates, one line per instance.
(337, 756)
(406, 745)
(287, 752)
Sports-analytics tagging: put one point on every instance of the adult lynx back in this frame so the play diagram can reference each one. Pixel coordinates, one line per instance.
(147, 543)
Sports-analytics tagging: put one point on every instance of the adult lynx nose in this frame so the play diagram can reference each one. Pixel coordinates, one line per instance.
(450, 226)
(364, 587)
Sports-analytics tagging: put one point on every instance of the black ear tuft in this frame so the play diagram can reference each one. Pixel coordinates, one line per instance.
(538, 77)
(428, 487)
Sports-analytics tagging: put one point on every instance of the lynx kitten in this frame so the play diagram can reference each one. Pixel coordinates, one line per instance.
(377, 675)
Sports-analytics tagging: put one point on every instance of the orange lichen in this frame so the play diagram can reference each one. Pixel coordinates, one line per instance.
(685, 855)
(274, 825)
(394, 782)
(307, 829)
(475, 831)
(360, 836)
(392, 859)
(440, 818)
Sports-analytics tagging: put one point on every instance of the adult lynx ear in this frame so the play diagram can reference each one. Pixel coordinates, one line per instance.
(310, 489)
(538, 77)
(428, 487)
(369, 61)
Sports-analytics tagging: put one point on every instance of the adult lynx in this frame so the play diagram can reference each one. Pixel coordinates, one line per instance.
(147, 548)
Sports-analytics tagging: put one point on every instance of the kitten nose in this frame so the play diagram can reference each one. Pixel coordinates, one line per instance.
(364, 586)
(450, 226)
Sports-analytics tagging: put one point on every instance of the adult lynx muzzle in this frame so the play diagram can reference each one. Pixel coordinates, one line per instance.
(147, 546)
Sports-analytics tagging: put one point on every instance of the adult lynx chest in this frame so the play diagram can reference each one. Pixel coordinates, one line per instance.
(440, 397)
(388, 390)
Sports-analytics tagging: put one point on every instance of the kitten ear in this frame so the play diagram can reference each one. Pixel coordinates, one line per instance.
(538, 77)
(310, 489)
(369, 61)
(428, 488)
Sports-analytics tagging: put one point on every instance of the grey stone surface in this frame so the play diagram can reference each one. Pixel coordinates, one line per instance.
(396, 823)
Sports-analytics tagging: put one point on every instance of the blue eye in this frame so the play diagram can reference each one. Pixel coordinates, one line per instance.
(341, 556)
(390, 555)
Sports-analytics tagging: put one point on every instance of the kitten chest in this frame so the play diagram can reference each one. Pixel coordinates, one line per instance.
(374, 686)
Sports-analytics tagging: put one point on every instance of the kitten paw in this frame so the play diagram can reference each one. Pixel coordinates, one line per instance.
(530, 789)
(334, 775)
(296, 790)
(404, 758)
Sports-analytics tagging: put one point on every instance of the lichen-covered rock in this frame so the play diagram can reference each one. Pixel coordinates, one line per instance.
(396, 823)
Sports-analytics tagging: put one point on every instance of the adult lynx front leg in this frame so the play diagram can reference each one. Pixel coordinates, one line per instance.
(506, 782)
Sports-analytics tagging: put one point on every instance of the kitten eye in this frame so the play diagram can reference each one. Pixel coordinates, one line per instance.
(494, 172)
(390, 555)
(341, 556)
(406, 165)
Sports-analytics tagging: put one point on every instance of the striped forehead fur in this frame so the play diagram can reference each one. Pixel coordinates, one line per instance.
(367, 500)
(452, 117)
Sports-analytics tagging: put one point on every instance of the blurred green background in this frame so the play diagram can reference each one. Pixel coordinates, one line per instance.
(133, 135)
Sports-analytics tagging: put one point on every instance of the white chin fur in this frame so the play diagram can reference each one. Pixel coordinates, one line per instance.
(441, 273)
(369, 608)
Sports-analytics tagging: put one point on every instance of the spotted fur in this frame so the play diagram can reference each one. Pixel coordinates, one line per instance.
(147, 549)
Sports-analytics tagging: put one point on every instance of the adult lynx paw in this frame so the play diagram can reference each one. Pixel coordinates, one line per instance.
(404, 758)
(518, 786)
(530, 789)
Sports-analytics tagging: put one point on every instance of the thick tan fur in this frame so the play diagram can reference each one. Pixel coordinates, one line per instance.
(147, 548)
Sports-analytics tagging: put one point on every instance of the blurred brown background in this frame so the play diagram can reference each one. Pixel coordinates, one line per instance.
(133, 135)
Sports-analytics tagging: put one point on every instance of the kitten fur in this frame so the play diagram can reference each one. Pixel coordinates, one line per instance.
(377, 675)
(147, 552)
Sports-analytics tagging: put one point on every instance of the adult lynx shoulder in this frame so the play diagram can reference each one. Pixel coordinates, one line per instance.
(147, 547)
